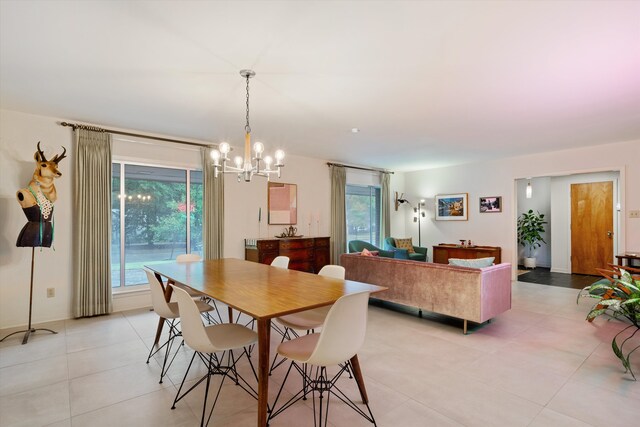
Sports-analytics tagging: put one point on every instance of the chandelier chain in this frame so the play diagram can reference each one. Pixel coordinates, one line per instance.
(247, 128)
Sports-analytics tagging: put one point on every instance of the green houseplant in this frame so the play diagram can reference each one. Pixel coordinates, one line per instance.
(619, 298)
(530, 226)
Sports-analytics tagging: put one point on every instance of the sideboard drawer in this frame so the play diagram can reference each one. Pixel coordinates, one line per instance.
(305, 254)
(296, 244)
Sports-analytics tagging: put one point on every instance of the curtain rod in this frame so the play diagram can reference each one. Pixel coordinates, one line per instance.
(358, 167)
(118, 132)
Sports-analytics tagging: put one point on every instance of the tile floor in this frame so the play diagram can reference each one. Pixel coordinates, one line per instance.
(540, 364)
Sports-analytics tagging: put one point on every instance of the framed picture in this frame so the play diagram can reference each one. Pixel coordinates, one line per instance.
(452, 207)
(491, 204)
(282, 203)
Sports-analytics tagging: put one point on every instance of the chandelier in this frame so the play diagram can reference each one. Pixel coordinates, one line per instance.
(248, 166)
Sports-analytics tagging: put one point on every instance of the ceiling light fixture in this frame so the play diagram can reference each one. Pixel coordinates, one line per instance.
(355, 130)
(529, 191)
(244, 167)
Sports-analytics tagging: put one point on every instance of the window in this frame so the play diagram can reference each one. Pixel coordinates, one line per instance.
(363, 213)
(156, 215)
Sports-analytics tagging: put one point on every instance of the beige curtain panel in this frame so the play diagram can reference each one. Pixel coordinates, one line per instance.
(385, 226)
(92, 224)
(212, 209)
(338, 213)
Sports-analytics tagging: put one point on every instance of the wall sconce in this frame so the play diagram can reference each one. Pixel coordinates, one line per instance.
(529, 191)
(400, 200)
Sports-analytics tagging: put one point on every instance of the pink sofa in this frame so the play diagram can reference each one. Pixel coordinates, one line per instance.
(475, 294)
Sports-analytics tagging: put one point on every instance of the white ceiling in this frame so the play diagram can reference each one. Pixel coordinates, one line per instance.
(429, 83)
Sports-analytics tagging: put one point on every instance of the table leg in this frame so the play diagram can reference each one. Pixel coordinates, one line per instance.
(357, 373)
(264, 340)
(168, 290)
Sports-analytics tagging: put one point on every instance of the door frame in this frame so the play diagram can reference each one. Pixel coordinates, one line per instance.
(619, 219)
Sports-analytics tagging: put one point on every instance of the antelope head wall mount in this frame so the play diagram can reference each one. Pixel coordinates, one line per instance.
(44, 174)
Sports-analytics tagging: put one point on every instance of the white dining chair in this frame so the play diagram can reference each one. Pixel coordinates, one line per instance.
(307, 320)
(169, 311)
(214, 345)
(184, 258)
(280, 262)
(188, 258)
(341, 338)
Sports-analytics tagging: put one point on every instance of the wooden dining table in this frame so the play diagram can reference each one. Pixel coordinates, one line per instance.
(263, 293)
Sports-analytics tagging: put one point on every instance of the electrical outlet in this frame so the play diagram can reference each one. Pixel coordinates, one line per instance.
(51, 292)
(634, 214)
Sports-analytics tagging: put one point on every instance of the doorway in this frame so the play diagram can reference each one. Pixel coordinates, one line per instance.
(563, 258)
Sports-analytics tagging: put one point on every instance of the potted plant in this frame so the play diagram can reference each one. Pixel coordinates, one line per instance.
(530, 227)
(619, 298)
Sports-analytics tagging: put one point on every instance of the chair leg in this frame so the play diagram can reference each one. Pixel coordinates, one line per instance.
(178, 397)
(167, 345)
(321, 387)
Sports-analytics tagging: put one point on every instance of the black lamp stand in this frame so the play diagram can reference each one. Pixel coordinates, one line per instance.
(29, 329)
(419, 213)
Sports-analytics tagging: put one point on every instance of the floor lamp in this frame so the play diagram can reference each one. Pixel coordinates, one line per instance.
(418, 213)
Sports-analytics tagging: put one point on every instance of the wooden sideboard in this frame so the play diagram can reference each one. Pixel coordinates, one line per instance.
(308, 254)
(443, 251)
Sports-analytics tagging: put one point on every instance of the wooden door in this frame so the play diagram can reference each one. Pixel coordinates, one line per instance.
(591, 226)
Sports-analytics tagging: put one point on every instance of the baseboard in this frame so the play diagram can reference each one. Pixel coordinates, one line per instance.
(560, 270)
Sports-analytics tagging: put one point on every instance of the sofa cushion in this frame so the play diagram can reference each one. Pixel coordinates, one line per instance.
(405, 244)
(473, 263)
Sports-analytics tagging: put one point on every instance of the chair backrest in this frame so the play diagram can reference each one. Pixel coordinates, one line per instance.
(389, 243)
(334, 271)
(359, 245)
(280, 261)
(193, 330)
(158, 301)
(188, 258)
(343, 332)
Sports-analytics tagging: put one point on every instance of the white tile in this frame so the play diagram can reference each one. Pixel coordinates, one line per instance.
(608, 372)
(528, 381)
(39, 406)
(414, 414)
(40, 346)
(31, 375)
(548, 417)
(473, 403)
(152, 410)
(105, 388)
(100, 334)
(106, 357)
(596, 405)
(63, 423)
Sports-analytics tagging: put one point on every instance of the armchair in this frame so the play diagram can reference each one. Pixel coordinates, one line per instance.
(420, 254)
(359, 245)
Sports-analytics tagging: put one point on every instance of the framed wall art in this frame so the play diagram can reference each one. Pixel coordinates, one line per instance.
(491, 204)
(282, 203)
(452, 207)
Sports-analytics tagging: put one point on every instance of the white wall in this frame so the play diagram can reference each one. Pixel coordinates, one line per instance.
(19, 134)
(496, 178)
(243, 200)
(561, 216)
(540, 201)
